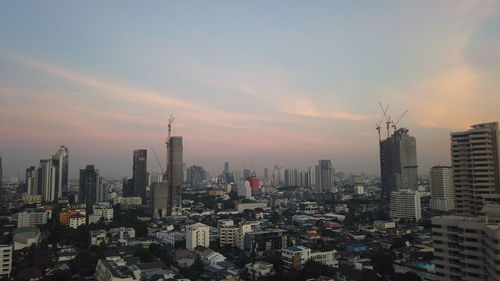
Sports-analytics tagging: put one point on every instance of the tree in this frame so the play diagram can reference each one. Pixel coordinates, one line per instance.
(383, 261)
(84, 263)
(144, 255)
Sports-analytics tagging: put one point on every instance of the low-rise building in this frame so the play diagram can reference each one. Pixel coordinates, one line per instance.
(77, 220)
(258, 243)
(240, 207)
(116, 269)
(197, 234)
(102, 211)
(296, 256)
(127, 201)
(170, 237)
(122, 233)
(25, 237)
(98, 237)
(32, 218)
(259, 269)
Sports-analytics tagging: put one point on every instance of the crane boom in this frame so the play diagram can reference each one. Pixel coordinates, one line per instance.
(394, 124)
(157, 160)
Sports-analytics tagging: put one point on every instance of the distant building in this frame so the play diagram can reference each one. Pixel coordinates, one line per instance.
(258, 243)
(140, 173)
(31, 181)
(254, 183)
(160, 200)
(245, 189)
(405, 204)
(6, 252)
(398, 162)
(197, 234)
(175, 175)
(127, 201)
(92, 189)
(324, 176)
(122, 233)
(240, 207)
(60, 161)
(98, 237)
(195, 177)
(102, 211)
(259, 269)
(442, 188)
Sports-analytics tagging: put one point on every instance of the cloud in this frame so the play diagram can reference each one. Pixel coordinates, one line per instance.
(304, 107)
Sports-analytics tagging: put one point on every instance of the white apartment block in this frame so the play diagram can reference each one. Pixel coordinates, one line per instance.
(101, 210)
(76, 220)
(98, 237)
(442, 188)
(31, 218)
(170, 237)
(405, 204)
(297, 256)
(5, 260)
(197, 234)
(476, 166)
(467, 248)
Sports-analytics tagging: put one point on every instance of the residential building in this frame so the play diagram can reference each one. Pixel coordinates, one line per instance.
(102, 211)
(92, 189)
(116, 269)
(259, 243)
(31, 180)
(245, 189)
(476, 167)
(296, 256)
(65, 215)
(467, 248)
(6, 252)
(259, 269)
(442, 196)
(127, 201)
(405, 204)
(170, 237)
(197, 234)
(98, 237)
(122, 233)
(60, 161)
(398, 162)
(31, 218)
(324, 176)
(140, 174)
(240, 207)
(75, 221)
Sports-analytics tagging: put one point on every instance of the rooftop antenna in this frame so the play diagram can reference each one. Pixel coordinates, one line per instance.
(380, 122)
(394, 124)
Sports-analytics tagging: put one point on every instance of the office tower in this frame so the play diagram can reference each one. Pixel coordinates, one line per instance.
(31, 180)
(60, 161)
(175, 175)
(197, 234)
(266, 173)
(442, 188)
(6, 252)
(405, 204)
(277, 175)
(466, 248)
(195, 177)
(476, 169)
(140, 174)
(127, 188)
(47, 180)
(227, 174)
(92, 189)
(324, 176)
(398, 162)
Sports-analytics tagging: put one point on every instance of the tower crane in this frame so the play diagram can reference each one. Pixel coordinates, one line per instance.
(380, 122)
(158, 160)
(394, 124)
(387, 119)
(170, 122)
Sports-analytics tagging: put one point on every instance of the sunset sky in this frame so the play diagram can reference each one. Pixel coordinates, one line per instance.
(256, 83)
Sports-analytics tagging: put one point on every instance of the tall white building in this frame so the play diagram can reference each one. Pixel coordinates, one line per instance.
(405, 204)
(197, 234)
(6, 260)
(476, 167)
(47, 180)
(244, 189)
(31, 218)
(442, 188)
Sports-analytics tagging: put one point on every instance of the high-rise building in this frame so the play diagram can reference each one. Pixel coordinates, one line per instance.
(160, 199)
(60, 161)
(466, 248)
(195, 177)
(1, 180)
(442, 188)
(398, 162)
(324, 176)
(31, 180)
(245, 189)
(175, 175)
(277, 175)
(266, 173)
(405, 204)
(476, 167)
(47, 180)
(197, 234)
(140, 173)
(247, 173)
(92, 189)
(227, 174)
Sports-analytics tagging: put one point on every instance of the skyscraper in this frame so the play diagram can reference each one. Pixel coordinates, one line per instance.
(195, 176)
(324, 176)
(175, 175)
(476, 166)
(47, 180)
(92, 189)
(1, 181)
(398, 162)
(140, 174)
(31, 180)
(442, 188)
(60, 161)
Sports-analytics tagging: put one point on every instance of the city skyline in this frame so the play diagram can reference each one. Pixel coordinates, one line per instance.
(255, 84)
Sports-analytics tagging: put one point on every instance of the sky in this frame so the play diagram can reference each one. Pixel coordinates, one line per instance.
(255, 83)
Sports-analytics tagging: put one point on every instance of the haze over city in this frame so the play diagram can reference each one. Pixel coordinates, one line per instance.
(253, 83)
